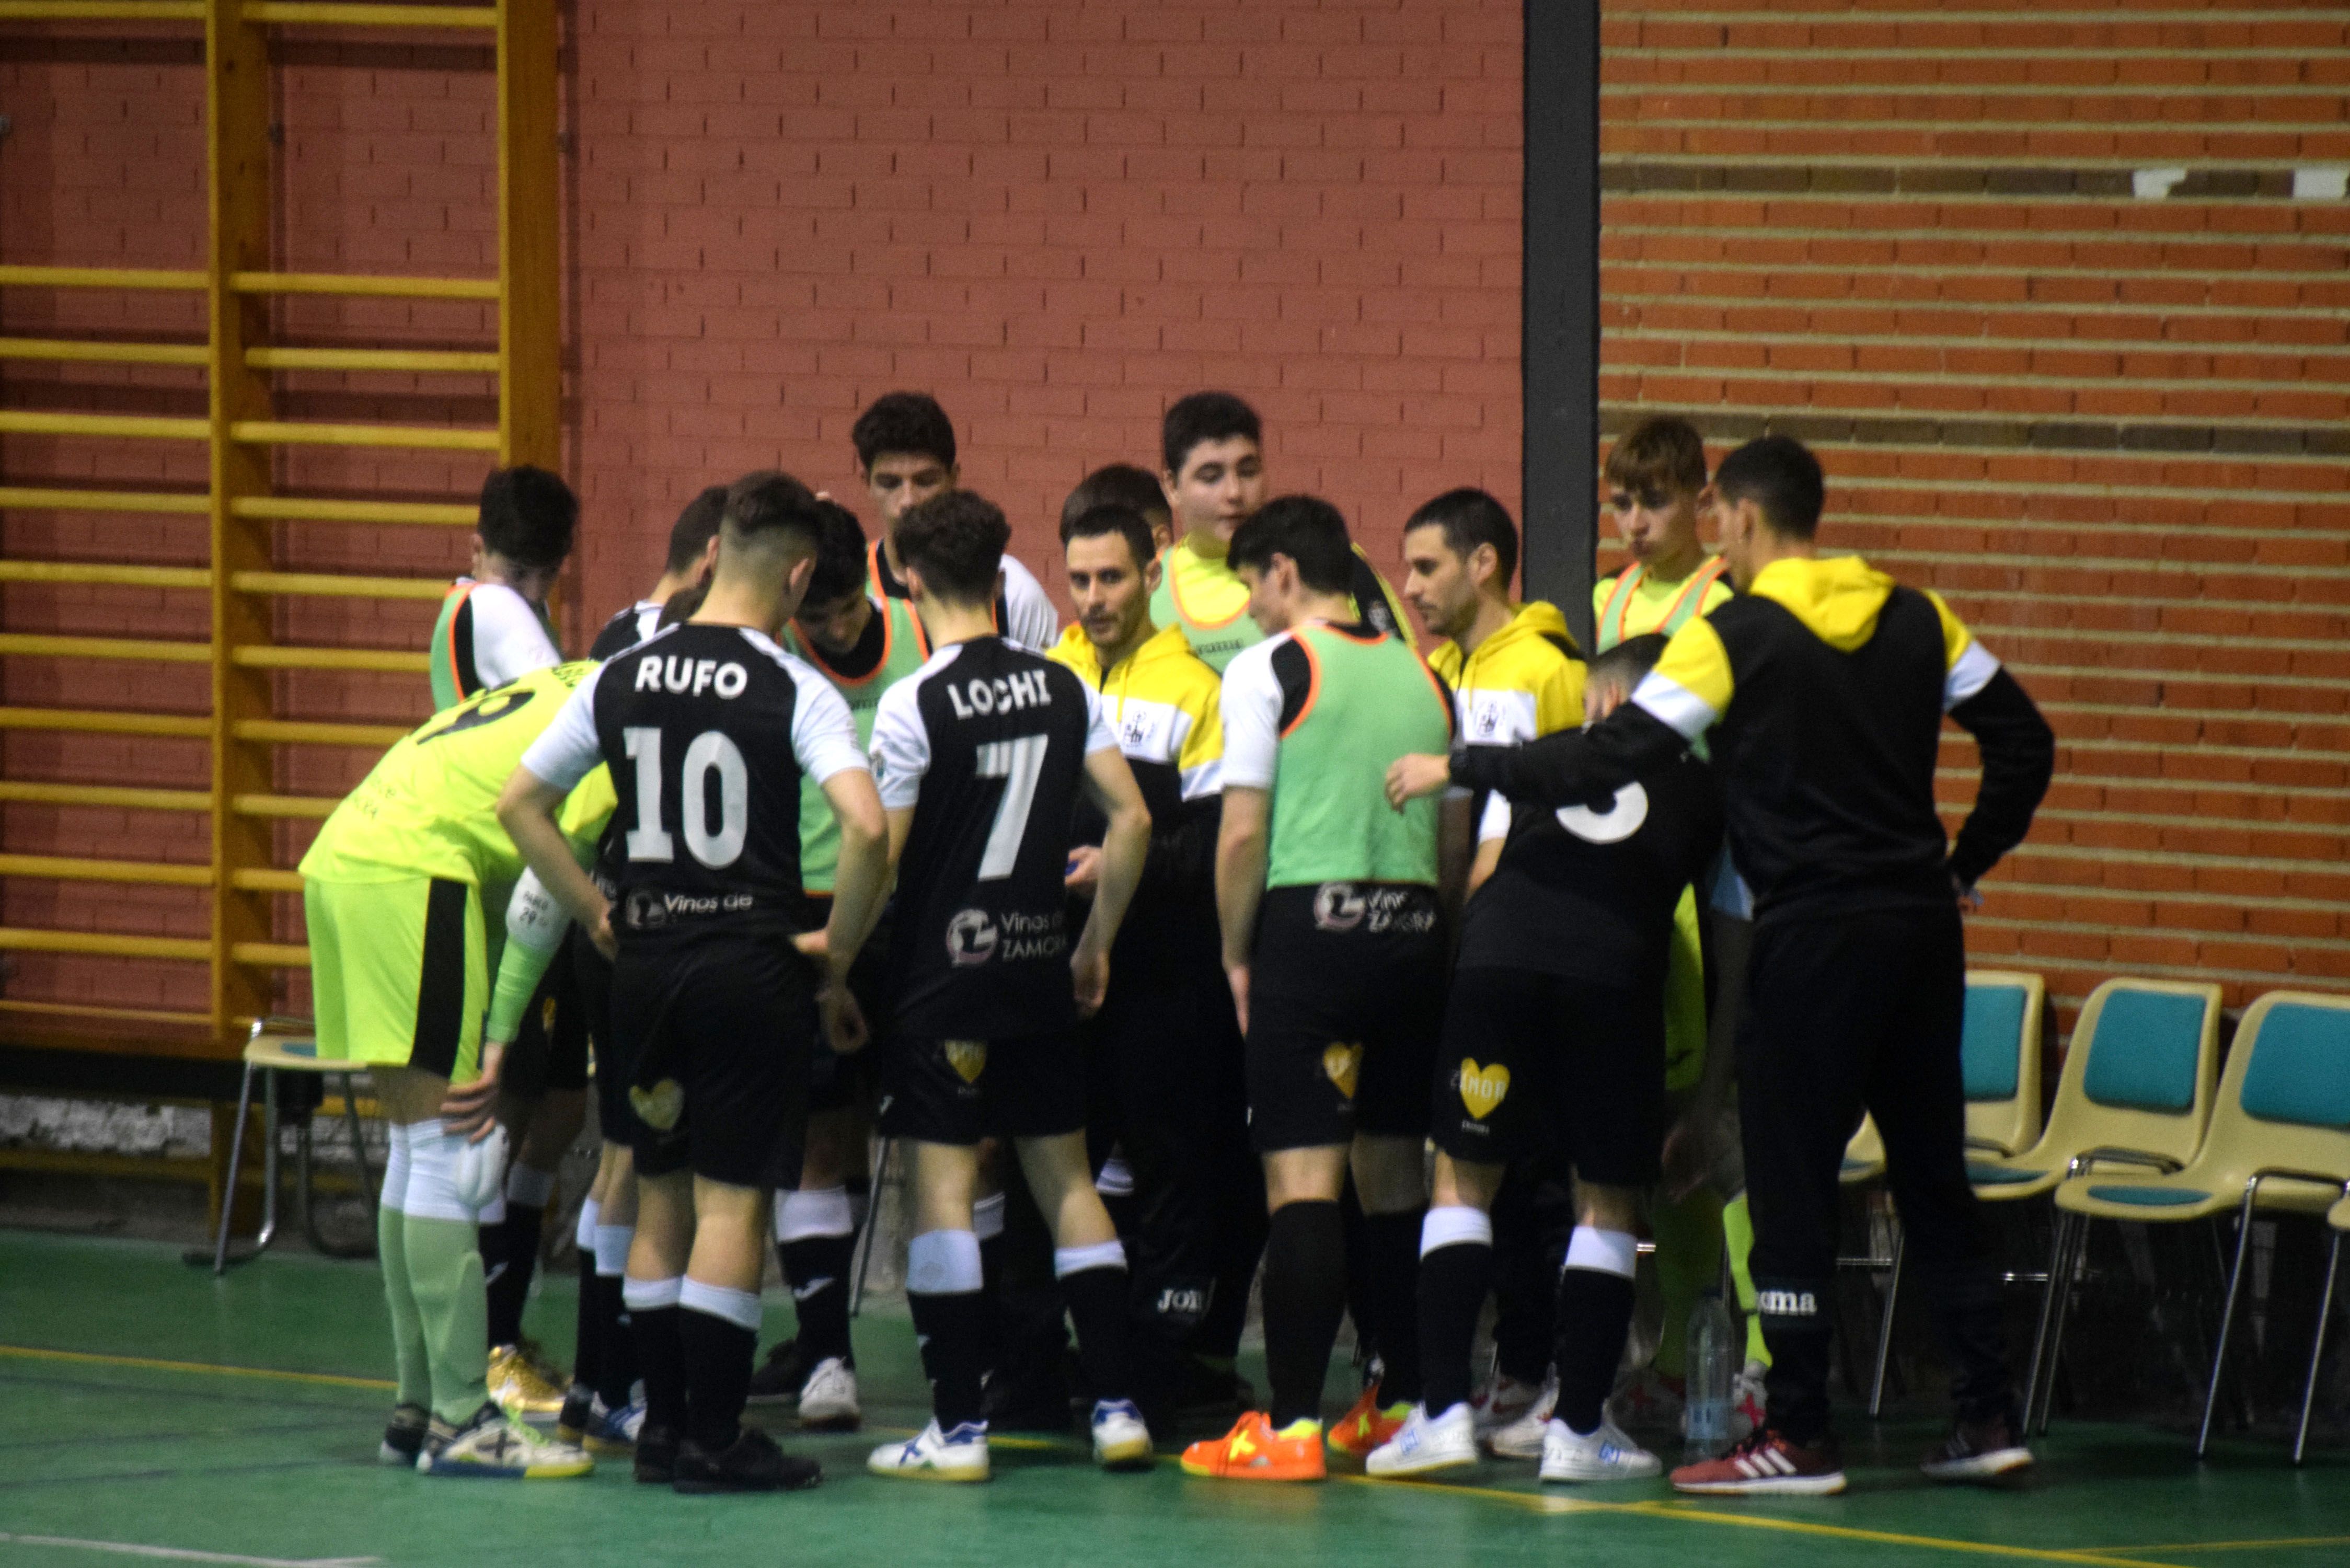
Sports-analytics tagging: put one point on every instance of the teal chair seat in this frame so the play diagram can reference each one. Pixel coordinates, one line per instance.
(2148, 1196)
(2000, 1175)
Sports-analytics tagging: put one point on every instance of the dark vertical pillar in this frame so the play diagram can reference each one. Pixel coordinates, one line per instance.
(1560, 348)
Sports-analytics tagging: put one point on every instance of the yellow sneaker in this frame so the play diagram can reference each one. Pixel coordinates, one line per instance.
(520, 1384)
(1366, 1424)
(1252, 1450)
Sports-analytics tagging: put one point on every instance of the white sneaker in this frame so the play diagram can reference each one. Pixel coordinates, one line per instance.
(1646, 1402)
(1424, 1443)
(828, 1398)
(956, 1455)
(1605, 1455)
(492, 1445)
(1523, 1439)
(1120, 1440)
(1501, 1401)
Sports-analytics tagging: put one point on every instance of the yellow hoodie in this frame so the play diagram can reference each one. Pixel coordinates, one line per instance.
(1163, 703)
(1526, 679)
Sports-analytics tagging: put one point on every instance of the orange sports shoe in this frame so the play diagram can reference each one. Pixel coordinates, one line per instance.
(1252, 1450)
(1367, 1425)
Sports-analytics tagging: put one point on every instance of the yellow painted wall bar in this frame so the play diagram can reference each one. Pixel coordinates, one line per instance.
(288, 433)
(310, 732)
(330, 586)
(70, 868)
(48, 499)
(26, 940)
(136, 427)
(126, 1015)
(104, 573)
(267, 879)
(378, 285)
(271, 955)
(322, 509)
(422, 361)
(278, 657)
(113, 796)
(101, 722)
(307, 13)
(99, 276)
(39, 645)
(69, 350)
(316, 806)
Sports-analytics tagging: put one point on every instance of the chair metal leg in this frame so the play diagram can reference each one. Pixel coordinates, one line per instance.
(2317, 1344)
(867, 1231)
(268, 1162)
(1885, 1324)
(2227, 1321)
(2064, 1223)
(2075, 1252)
(236, 1157)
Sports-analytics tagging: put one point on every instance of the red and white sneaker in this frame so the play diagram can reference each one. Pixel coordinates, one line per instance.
(1767, 1465)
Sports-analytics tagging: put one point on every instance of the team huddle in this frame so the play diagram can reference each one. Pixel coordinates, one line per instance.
(1164, 948)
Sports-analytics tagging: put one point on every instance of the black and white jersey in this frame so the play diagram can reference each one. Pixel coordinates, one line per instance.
(708, 729)
(987, 744)
(627, 628)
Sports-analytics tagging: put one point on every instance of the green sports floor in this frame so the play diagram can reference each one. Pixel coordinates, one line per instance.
(153, 1413)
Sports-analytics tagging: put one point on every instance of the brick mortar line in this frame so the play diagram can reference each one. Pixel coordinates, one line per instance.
(1965, 743)
(2035, 174)
(2262, 980)
(2225, 715)
(2186, 896)
(2090, 15)
(2189, 678)
(2082, 489)
(2192, 860)
(2029, 306)
(2338, 361)
(2119, 129)
(2103, 563)
(2007, 629)
(2025, 380)
(2323, 944)
(2087, 53)
(2134, 438)
(2220, 92)
(1947, 271)
(2189, 787)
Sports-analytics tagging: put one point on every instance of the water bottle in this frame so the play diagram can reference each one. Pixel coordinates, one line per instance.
(1713, 1345)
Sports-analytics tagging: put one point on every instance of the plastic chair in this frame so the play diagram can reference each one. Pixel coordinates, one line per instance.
(2337, 1220)
(2278, 1140)
(285, 1045)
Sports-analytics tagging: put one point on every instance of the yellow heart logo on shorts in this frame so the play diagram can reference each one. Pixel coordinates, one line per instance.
(967, 1057)
(1483, 1088)
(659, 1106)
(1340, 1063)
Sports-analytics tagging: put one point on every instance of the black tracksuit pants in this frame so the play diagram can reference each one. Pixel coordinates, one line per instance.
(1853, 1012)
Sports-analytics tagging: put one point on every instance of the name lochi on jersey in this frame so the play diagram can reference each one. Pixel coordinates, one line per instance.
(708, 729)
(987, 743)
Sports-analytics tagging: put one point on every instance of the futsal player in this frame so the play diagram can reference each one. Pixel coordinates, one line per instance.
(982, 754)
(693, 551)
(1123, 484)
(492, 625)
(1334, 949)
(1554, 1049)
(1823, 689)
(709, 728)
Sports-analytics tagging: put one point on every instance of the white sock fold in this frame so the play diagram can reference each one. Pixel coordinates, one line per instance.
(943, 1263)
(987, 1217)
(1454, 1226)
(589, 1210)
(652, 1295)
(739, 1308)
(1603, 1251)
(801, 1215)
(1067, 1260)
(612, 1243)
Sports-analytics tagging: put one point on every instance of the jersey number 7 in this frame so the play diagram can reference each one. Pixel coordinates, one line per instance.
(1020, 764)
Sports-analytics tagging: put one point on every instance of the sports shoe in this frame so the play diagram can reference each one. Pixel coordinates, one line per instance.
(1604, 1454)
(1978, 1450)
(578, 1410)
(403, 1439)
(1121, 1441)
(1765, 1465)
(829, 1398)
(1749, 1399)
(959, 1455)
(1424, 1443)
(1252, 1450)
(1648, 1401)
(520, 1384)
(1523, 1439)
(610, 1431)
(656, 1456)
(751, 1463)
(1501, 1401)
(494, 1446)
(777, 1379)
(1366, 1424)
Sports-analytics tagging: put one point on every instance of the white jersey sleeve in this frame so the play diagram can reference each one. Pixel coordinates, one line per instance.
(1495, 823)
(823, 735)
(1252, 711)
(901, 744)
(567, 751)
(1100, 734)
(1035, 624)
(509, 639)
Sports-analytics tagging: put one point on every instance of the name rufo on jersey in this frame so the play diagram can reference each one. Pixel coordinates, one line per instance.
(692, 675)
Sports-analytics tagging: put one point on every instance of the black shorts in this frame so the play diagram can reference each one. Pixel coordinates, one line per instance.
(550, 1048)
(731, 1018)
(961, 1091)
(592, 975)
(838, 1083)
(1346, 1003)
(1543, 1066)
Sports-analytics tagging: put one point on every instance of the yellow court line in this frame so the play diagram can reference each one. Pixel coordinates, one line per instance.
(2229, 1546)
(87, 1358)
(1886, 1537)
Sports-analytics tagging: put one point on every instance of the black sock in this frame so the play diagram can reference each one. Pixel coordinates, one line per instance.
(1097, 1305)
(718, 1353)
(1390, 1275)
(617, 1361)
(588, 1327)
(817, 1268)
(509, 1288)
(1304, 1295)
(1595, 1309)
(953, 1330)
(663, 1351)
(1453, 1281)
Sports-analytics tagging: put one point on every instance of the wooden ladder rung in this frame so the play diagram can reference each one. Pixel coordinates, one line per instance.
(285, 805)
(105, 796)
(94, 277)
(314, 733)
(41, 645)
(106, 574)
(50, 499)
(271, 955)
(107, 721)
(313, 14)
(113, 944)
(422, 361)
(70, 868)
(377, 286)
(333, 586)
(266, 879)
(289, 432)
(322, 509)
(83, 351)
(129, 427)
(264, 656)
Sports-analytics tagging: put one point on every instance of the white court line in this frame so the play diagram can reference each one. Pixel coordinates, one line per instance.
(182, 1554)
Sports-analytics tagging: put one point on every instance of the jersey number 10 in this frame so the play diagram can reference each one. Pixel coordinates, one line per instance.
(709, 750)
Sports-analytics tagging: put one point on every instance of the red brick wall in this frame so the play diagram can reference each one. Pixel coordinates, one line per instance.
(2114, 428)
